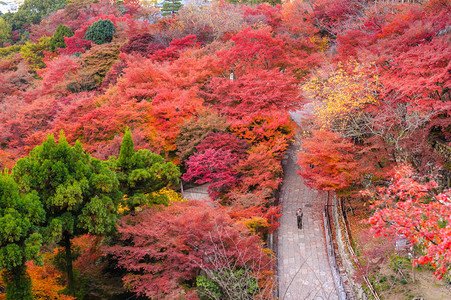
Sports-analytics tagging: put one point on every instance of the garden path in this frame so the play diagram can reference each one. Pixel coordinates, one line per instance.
(303, 267)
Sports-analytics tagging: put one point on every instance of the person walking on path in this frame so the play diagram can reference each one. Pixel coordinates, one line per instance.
(299, 215)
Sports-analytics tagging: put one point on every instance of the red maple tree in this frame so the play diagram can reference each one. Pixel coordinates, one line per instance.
(215, 166)
(419, 212)
(327, 161)
(161, 248)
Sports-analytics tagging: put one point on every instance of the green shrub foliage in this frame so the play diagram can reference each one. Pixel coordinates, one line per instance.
(101, 32)
(141, 173)
(227, 284)
(79, 193)
(20, 217)
(57, 40)
(32, 12)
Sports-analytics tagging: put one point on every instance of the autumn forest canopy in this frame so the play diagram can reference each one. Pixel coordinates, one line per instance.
(107, 106)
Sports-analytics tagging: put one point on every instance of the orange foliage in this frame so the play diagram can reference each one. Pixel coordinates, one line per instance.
(261, 170)
(274, 129)
(328, 161)
(297, 18)
(7, 160)
(45, 281)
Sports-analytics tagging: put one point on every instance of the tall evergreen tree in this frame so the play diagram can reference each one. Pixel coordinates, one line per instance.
(171, 7)
(79, 193)
(20, 241)
(126, 153)
(141, 173)
(57, 40)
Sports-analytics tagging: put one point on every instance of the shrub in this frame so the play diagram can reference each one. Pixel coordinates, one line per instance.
(34, 53)
(101, 32)
(57, 40)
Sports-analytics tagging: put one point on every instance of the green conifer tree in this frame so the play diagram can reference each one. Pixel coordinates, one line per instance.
(171, 7)
(57, 40)
(100, 32)
(79, 193)
(126, 152)
(20, 217)
(141, 173)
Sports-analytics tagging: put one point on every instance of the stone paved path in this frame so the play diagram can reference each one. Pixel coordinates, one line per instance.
(303, 267)
(197, 193)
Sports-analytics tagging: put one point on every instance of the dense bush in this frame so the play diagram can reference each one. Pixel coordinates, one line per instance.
(101, 32)
(57, 40)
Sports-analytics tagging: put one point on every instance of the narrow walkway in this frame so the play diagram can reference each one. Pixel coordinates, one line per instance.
(197, 193)
(303, 267)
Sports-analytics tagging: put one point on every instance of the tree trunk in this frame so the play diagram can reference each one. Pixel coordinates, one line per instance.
(68, 258)
(18, 284)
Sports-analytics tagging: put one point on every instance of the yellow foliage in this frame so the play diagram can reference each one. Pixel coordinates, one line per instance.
(10, 50)
(256, 225)
(321, 42)
(34, 54)
(122, 208)
(172, 195)
(341, 96)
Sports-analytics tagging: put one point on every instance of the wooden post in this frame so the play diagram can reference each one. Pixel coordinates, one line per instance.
(413, 267)
(181, 187)
(448, 181)
(328, 194)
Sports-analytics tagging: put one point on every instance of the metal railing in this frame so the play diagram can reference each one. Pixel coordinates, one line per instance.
(342, 295)
(351, 251)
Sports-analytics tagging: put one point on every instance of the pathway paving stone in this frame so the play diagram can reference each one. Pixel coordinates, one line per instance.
(197, 193)
(303, 267)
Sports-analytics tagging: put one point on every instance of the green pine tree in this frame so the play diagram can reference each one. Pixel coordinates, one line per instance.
(57, 40)
(101, 32)
(141, 173)
(20, 217)
(171, 7)
(126, 152)
(79, 193)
